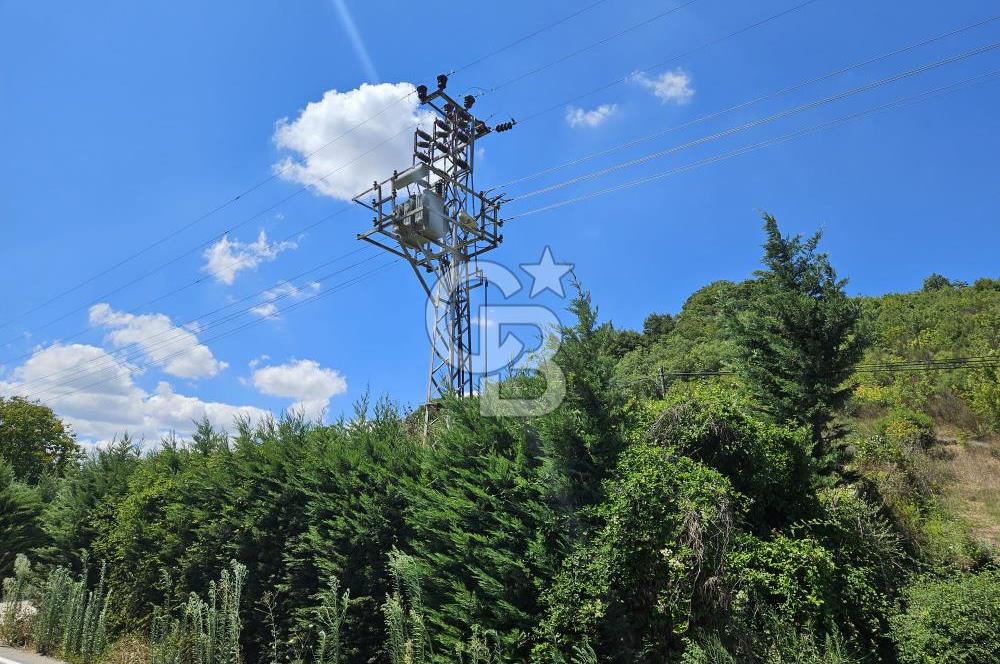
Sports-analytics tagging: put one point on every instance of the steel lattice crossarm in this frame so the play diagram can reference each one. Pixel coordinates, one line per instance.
(431, 215)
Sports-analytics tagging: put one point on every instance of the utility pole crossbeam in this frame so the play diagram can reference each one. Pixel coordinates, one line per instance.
(432, 216)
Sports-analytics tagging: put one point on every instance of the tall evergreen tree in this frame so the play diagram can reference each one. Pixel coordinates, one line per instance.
(582, 438)
(476, 522)
(20, 527)
(797, 336)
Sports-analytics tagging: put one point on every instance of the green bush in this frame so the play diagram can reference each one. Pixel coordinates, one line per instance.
(792, 577)
(950, 621)
(653, 570)
(722, 427)
(20, 512)
(906, 429)
(871, 562)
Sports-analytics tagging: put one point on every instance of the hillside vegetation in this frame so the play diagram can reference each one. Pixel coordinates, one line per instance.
(754, 479)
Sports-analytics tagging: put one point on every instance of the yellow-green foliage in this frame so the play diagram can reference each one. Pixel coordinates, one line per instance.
(893, 459)
(939, 322)
(895, 438)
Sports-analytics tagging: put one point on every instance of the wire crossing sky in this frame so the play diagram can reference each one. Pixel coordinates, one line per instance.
(173, 216)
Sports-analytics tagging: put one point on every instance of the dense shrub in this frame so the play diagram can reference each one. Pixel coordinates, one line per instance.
(792, 579)
(951, 621)
(478, 520)
(770, 465)
(906, 429)
(653, 571)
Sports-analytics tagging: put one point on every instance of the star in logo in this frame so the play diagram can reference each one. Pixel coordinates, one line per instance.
(546, 274)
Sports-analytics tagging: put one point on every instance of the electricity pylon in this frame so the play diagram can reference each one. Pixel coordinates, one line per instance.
(432, 216)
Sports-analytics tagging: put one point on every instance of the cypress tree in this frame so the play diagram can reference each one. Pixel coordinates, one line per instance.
(797, 335)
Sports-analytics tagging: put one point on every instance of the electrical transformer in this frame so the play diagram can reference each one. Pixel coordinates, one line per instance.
(420, 218)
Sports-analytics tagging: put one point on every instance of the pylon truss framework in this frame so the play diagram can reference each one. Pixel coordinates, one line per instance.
(431, 216)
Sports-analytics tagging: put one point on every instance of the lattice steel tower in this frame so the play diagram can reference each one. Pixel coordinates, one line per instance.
(432, 216)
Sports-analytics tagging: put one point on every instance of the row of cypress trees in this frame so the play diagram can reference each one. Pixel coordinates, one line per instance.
(705, 523)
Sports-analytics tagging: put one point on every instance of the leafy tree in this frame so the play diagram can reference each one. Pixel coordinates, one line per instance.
(33, 440)
(658, 326)
(936, 282)
(797, 337)
(582, 438)
(690, 342)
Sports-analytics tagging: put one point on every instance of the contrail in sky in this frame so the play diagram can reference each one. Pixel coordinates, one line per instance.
(359, 45)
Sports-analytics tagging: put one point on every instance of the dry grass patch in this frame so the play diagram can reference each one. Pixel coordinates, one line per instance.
(972, 489)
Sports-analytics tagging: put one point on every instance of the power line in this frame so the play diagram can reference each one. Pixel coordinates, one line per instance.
(199, 219)
(136, 310)
(750, 102)
(200, 317)
(759, 122)
(592, 45)
(948, 364)
(669, 60)
(756, 146)
(278, 173)
(212, 239)
(222, 335)
(528, 36)
(178, 333)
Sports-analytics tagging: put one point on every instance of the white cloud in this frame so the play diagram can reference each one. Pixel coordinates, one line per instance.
(272, 297)
(97, 396)
(306, 381)
(671, 87)
(381, 144)
(175, 349)
(578, 117)
(227, 258)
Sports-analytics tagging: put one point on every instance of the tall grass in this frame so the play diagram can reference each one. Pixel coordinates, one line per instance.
(330, 616)
(15, 617)
(404, 612)
(202, 631)
(70, 622)
(62, 617)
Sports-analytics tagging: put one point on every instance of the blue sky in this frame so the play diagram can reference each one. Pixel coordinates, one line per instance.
(126, 121)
